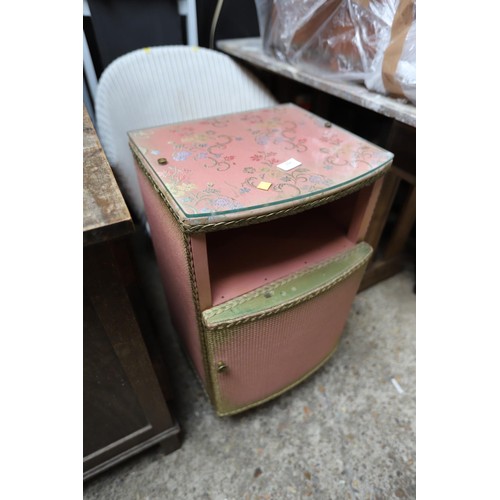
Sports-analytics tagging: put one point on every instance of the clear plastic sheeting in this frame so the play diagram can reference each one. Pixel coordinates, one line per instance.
(400, 79)
(370, 41)
(279, 22)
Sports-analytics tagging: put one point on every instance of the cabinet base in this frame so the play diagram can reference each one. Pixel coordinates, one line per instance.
(169, 441)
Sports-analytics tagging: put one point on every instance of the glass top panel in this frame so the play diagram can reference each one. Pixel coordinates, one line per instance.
(231, 163)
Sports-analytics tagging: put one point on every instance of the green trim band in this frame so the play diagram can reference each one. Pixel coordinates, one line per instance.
(287, 292)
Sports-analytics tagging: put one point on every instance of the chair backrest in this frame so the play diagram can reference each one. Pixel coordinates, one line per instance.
(168, 84)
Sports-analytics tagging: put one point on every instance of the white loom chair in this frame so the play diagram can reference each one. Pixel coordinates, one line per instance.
(167, 84)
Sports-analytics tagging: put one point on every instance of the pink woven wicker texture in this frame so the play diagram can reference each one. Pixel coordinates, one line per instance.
(266, 356)
(170, 253)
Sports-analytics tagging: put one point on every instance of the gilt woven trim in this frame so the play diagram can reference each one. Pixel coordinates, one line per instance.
(209, 386)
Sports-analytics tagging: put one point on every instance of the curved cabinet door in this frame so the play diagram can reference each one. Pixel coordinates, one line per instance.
(265, 342)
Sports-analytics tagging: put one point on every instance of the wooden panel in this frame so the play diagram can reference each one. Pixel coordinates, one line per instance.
(110, 406)
(105, 214)
(382, 209)
(363, 211)
(380, 270)
(102, 281)
(403, 227)
(124, 409)
(117, 365)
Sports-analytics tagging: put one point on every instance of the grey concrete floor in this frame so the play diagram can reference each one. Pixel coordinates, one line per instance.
(348, 432)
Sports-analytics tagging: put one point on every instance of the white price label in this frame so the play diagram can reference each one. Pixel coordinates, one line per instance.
(289, 164)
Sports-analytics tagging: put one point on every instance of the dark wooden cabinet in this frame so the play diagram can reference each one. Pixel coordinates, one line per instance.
(124, 409)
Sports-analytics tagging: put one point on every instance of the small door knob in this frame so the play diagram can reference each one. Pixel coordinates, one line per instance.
(221, 367)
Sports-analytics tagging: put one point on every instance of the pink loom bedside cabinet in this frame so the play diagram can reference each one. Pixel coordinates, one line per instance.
(257, 220)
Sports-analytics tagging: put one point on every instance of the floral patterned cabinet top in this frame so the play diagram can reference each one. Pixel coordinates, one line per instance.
(254, 163)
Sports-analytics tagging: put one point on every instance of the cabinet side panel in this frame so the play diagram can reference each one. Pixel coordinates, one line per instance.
(172, 257)
(110, 407)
